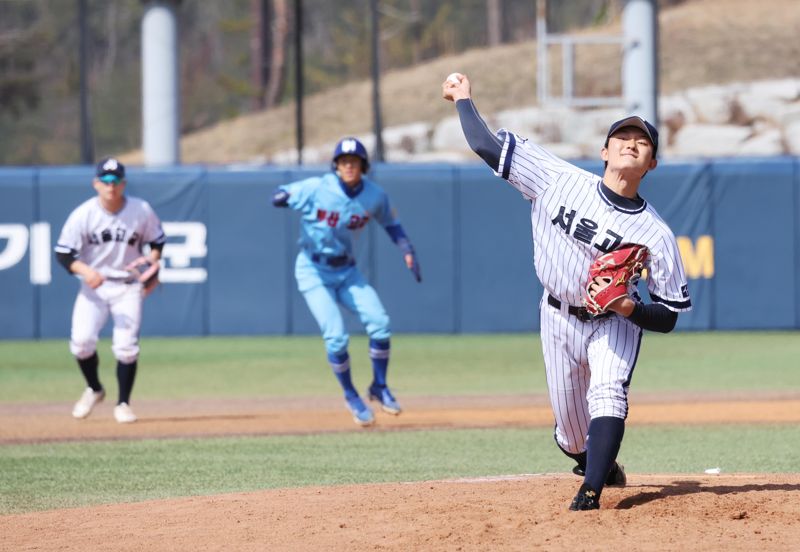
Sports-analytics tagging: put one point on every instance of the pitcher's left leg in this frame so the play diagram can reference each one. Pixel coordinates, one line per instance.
(613, 351)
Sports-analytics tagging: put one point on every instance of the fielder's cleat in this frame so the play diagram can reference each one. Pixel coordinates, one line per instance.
(123, 414)
(87, 402)
(388, 403)
(362, 415)
(586, 499)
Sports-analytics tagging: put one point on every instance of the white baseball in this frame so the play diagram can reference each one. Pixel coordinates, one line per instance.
(454, 78)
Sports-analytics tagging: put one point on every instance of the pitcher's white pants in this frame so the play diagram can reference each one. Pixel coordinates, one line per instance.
(589, 367)
(92, 307)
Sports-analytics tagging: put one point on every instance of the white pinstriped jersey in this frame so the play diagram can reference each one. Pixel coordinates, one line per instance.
(574, 222)
(108, 242)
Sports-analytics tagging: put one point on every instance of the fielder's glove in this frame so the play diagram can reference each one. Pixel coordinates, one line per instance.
(611, 276)
(144, 270)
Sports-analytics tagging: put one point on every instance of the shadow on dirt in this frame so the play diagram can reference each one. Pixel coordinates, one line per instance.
(688, 487)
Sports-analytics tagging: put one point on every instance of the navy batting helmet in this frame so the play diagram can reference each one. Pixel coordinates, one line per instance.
(351, 146)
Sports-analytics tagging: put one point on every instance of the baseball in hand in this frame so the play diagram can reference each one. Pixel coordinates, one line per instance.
(454, 78)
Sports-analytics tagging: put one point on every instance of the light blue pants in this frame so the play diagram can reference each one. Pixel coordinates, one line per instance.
(325, 288)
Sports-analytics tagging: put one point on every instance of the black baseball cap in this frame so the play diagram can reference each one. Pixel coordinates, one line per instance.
(110, 170)
(638, 122)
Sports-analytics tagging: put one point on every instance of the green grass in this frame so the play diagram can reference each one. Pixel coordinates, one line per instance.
(48, 476)
(421, 365)
(274, 366)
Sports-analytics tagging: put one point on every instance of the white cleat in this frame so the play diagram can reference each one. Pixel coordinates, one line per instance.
(123, 414)
(87, 402)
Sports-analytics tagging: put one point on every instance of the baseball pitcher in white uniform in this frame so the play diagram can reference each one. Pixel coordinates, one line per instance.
(577, 217)
(103, 243)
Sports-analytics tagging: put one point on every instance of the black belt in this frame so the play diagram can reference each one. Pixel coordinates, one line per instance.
(123, 279)
(579, 312)
(331, 260)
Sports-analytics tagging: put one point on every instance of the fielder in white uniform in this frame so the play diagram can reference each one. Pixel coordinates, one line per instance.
(102, 237)
(577, 216)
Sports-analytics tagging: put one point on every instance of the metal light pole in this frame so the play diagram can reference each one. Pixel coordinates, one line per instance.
(298, 76)
(376, 84)
(87, 143)
(640, 63)
(160, 83)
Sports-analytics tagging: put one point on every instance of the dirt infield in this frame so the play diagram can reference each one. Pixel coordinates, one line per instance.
(521, 512)
(525, 513)
(32, 423)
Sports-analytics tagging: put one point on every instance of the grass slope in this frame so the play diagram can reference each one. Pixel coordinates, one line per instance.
(700, 44)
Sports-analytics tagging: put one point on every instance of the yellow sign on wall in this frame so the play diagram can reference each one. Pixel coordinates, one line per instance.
(698, 257)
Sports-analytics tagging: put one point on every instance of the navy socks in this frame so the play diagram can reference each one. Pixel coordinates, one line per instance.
(126, 374)
(89, 369)
(605, 438)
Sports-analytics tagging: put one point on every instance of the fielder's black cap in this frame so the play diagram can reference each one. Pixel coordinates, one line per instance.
(638, 122)
(110, 170)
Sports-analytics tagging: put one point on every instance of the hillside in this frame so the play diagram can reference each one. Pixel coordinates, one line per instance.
(701, 42)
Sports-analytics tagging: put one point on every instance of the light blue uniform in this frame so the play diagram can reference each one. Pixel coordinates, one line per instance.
(333, 218)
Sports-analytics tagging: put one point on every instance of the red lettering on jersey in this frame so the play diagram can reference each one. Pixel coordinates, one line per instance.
(321, 214)
(333, 219)
(357, 222)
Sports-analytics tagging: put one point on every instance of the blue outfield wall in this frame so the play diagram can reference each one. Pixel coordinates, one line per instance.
(228, 267)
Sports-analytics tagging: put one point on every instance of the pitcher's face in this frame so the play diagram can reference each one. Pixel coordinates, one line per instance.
(629, 148)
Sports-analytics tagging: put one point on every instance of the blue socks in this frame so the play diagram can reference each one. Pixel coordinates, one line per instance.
(340, 364)
(605, 438)
(379, 353)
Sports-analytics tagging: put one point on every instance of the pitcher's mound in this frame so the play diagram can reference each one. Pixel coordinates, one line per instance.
(526, 512)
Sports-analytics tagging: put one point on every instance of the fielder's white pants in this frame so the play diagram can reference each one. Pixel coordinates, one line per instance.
(92, 307)
(589, 367)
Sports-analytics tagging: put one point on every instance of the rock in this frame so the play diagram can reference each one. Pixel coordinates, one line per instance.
(713, 105)
(768, 143)
(409, 138)
(792, 138)
(447, 135)
(709, 140)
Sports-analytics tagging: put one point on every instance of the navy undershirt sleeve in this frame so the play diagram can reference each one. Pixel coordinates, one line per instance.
(66, 260)
(479, 137)
(654, 317)
(395, 232)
